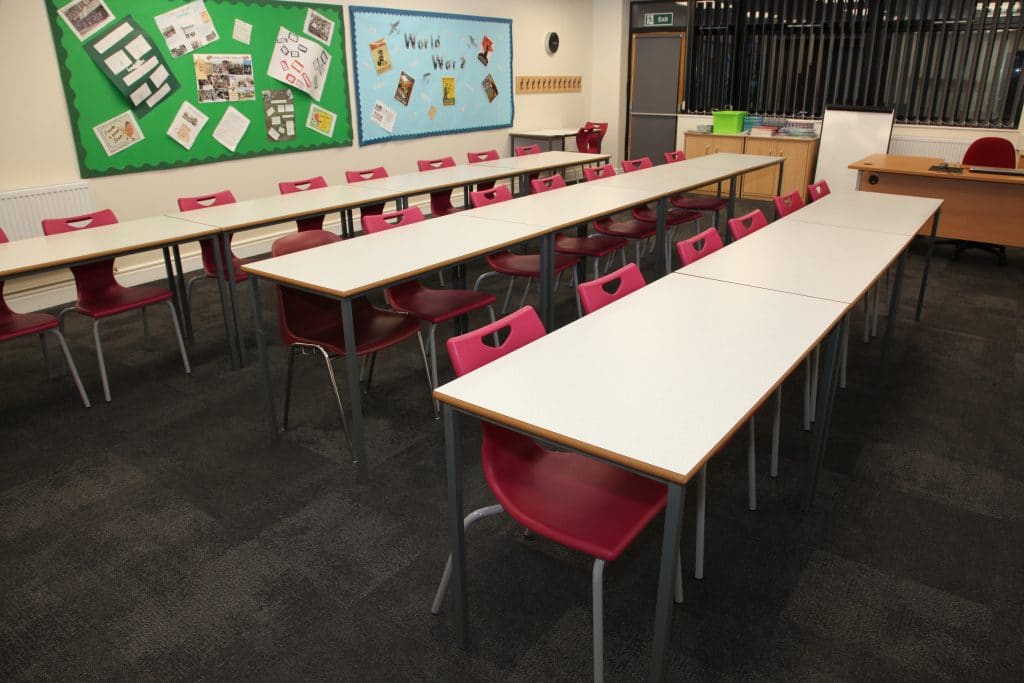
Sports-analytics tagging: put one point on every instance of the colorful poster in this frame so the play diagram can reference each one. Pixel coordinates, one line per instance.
(118, 133)
(321, 120)
(300, 62)
(224, 78)
(454, 73)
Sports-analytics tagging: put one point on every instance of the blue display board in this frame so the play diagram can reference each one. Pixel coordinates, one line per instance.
(426, 73)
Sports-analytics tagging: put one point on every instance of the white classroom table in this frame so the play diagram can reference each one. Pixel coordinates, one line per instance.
(684, 408)
(548, 135)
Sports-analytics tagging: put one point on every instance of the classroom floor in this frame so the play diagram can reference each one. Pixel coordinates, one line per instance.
(166, 536)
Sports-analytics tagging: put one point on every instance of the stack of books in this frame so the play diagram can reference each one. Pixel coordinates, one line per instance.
(764, 131)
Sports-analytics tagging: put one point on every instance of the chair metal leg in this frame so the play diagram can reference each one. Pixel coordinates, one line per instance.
(334, 388)
(678, 597)
(597, 589)
(181, 341)
(188, 287)
(46, 354)
(430, 366)
(99, 359)
(752, 469)
(776, 427)
(71, 365)
(508, 294)
(288, 385)
(369, 370)
(446, 576)
(526, 291)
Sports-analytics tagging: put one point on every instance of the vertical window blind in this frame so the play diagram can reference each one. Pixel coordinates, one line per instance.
(942, 62)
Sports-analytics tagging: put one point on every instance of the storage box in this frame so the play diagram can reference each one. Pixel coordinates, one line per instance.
(728, 121)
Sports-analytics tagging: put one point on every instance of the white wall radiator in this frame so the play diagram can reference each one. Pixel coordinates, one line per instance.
(945, 149)
(22, 211)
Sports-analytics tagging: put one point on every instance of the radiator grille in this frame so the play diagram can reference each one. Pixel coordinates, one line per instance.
(22, 211)
(947, 150)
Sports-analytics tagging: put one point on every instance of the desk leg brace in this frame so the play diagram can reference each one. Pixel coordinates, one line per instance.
(890, 320)
(456, 529)
(823, 411)
(354, 397)
(547, 281)
(666, 579)
(927, 265)
(224, 308)
(261, 344)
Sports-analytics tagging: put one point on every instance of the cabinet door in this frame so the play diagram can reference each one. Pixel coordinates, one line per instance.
(762, 184)
(700, 144)
(796, 171)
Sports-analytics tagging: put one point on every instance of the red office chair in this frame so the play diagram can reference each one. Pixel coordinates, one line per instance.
(432, 306)
(311, 324)
(441, 200)
(509, 263)
(523, 151)
(818, 190)
(788, 203)
(476, 158)
(209, 258)
(594, 246)
(707, 204)
(315, 183)
(360, 176)
(579, 502)
(989, 151)
(99, 294)
(698, 246)
(611, 287)
(15, 325)
(602, 130)
(744, 225)
(631, 230)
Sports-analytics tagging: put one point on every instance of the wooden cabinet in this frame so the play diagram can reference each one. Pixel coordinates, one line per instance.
(798, 171)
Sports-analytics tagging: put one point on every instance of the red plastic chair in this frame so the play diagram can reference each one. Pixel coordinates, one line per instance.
(523, 151)
(476, 158)
(579, 502)
(611, 287)
(360, 176)
(742, 226)
(988, 151)
(99, 294)
(602, 130)
(588, 140)
(708, 204)
(788, 203)
(432, 306)
(314, 183)
(209, 257)
(673, 219)
(310, 323)
(818, 190)
(698, 246)
(509, 263)
(631, 230)
(441, 200)
(16, 325)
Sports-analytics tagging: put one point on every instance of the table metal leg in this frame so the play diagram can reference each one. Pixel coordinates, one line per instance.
(825, 402)
(666, 579)
(261, 344)
(456, 528)
(354, 395)
(730, 208)
(218, 263)
(186, 305)
(890, 319)
(229, 269)
(927, 265)
(547, 281)
(177, 296)
(660, 246)
(702, 493)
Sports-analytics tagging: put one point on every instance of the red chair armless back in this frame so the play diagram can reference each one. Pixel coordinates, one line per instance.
(501, 193)
(473, 350)
(202, 202)
(476, 158)
(598, 172)
(600, 292)
(302, 315)
(527, 149)
(91, 278)
(673, 157)
(395, 219)
(602, 129)
(788, 203)
(368, 174)
(430, 164)
(991, 151)
(699, 246)
(629, 165)
(315, 183)
(552, 182)
(742, 226)
(441, 200)
(588, 140)
(818, 190)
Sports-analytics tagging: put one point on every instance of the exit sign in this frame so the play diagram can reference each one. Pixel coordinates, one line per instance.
(658, 19)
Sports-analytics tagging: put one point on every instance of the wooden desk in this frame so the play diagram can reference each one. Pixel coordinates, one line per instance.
(976, 206)
(548, 390)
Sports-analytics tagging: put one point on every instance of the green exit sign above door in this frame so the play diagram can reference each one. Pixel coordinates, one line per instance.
(658, 19)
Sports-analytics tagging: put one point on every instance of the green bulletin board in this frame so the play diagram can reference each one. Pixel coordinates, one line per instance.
(126, 80)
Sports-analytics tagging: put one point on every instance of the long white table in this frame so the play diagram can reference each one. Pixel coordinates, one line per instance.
(548, 135)
(685, 406)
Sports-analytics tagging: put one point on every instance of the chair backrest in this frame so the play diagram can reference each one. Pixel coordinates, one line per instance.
(394, 219)
(202, 202)
(698, 246)
(629, 165)
(431, 164)
(602, 129)
(552, 182)
(476, 158)
(741, 226)
(673, 157)
(788, 203)
(301, 314)
(598, 172)
(818, 190)
(479, 198)
(314, 183)
(588, 140)
(527, 149)
(471, 350)
(367, 174)
(91, 278)
(440, 200)
(600, 292)
(991, 151)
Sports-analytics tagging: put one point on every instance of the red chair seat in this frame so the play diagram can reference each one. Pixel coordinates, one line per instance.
(635, 230)
(117, 299)
(376, 329)
(596, 246)
(672, 218)
(14, 325)
(526, 265)
(436, 305)
(699, 203)
(577, 501)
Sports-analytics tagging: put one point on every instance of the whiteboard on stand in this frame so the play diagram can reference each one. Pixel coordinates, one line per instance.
(849, 135)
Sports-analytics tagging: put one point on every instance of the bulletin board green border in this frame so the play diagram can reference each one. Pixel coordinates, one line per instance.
(158, 151)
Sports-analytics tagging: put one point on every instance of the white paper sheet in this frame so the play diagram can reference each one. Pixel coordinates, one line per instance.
(118, 62)
(138, 47)
(186, 28)
(231, 128)
(300, 62)
(141, 93)
(118, 133)
(242, 31)
(112, 38)
(187, 124)
(384, 116)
